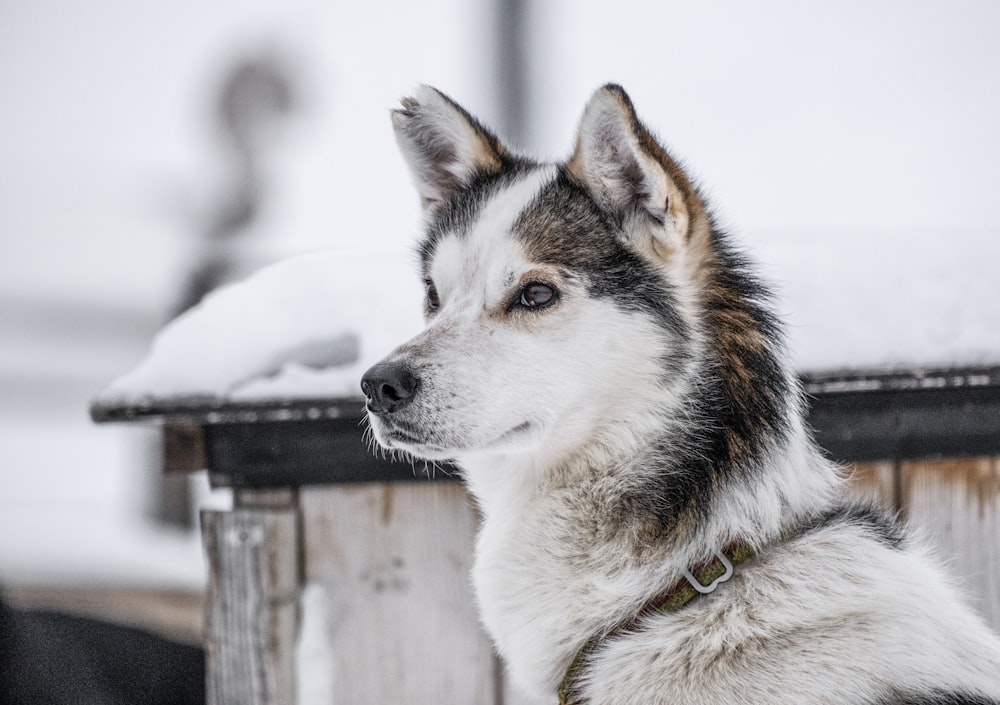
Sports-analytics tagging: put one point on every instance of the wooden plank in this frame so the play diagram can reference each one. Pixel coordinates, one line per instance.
(875, 481)
(401, 619)
(176, 614)
(957, 505)
(184, 448)
(251, 614)
(295, 453)
(268, 498)
(879, 424)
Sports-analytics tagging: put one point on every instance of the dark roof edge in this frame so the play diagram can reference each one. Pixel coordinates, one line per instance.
(211, 411)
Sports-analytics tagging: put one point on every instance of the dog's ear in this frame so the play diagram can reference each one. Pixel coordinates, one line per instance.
(444, 146)
(630, 175)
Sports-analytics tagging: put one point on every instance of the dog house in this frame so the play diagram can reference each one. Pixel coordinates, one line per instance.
(341, 577)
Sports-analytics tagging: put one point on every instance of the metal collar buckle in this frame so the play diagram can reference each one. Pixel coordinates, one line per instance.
(706, 589)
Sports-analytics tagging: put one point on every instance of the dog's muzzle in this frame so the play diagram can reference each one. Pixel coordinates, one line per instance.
(388, 387)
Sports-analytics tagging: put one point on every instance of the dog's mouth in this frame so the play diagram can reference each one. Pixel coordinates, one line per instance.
(395, 434)
(403, 436)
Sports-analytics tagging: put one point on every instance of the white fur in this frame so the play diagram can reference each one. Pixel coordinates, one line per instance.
(827, 618)
(473, 275)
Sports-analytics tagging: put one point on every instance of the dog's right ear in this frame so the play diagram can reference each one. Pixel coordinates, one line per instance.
(444, 146)
(630, 175)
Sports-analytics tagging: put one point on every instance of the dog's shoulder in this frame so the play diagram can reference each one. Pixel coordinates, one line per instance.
(864, 518)
(849, 602)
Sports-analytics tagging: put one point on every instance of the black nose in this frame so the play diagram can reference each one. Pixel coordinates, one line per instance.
(388, 387)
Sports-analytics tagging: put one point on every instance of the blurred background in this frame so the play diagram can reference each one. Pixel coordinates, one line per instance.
(150, 151)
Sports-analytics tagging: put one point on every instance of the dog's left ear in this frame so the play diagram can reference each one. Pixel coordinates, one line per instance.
(444, 146)
(630, 175)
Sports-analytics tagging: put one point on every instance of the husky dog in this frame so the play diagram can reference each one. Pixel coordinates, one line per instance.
(606, 371)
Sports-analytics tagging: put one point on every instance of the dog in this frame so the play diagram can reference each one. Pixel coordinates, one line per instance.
(605, 369)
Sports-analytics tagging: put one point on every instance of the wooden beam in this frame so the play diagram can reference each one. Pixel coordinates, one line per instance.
(857, 417)
(251, 614)
(184, 448)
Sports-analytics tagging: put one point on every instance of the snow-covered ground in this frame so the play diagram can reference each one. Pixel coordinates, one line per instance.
(852, 148)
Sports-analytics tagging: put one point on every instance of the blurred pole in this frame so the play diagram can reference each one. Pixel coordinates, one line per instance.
(255, 97)
(512, 69)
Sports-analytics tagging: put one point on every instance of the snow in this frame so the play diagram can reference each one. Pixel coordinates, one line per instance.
(308, 326)
(72, 542)
(74, 513)
(857, 298)
(311, 325)
(314, 648)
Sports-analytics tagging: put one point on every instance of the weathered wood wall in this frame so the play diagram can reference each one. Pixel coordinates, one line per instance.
(955, 505)
(394, 561)
(400, 620)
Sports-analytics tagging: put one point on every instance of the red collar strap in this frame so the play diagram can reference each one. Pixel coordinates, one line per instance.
(700, 580)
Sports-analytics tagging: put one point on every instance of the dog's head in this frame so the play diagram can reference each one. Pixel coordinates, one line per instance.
(556, 294)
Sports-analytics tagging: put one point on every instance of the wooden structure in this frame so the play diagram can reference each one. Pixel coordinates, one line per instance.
(391, 558)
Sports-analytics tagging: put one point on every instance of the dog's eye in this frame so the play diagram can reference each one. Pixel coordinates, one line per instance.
(433, 300)
(537, 295)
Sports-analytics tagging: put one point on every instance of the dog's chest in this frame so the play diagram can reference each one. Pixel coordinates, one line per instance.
(528, 597)
(544, 586)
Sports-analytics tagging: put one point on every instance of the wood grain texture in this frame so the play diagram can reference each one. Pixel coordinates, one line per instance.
(875, 481)
(184, 448)
(956, 504)
(250, 621)
(401, 620)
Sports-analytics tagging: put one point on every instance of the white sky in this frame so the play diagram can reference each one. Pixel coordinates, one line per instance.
(855, 114)
(106, 144)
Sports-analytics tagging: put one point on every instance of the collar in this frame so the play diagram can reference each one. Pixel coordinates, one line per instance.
(702, 579)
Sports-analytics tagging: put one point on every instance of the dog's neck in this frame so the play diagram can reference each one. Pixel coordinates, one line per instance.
(798, 482)
(784, 476)
(560, 559)
(581, 531)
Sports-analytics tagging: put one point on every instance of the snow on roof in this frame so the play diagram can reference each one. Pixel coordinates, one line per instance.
(857, 299)
(305, 327)
(309, 326)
